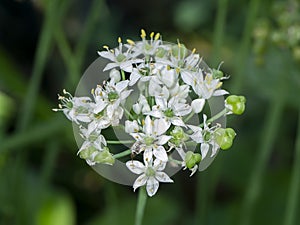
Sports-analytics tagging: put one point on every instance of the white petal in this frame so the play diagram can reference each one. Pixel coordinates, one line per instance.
(220, 92)
(163, 177)
(140, 181)
(121, 85)
(161, 102)
(160, 153)
(110, 66)
(126, 66)
(137, 136)
(134, 76)
(161, 126)
(107, 55)
(204, 149)
(178, 122)
(131, 126)
(195, 128)
(197, 137)
(135, 166)
(148, 127)
(163, 139)
(198, 105)
(148, 155)
(152, 186)
(100, 105)
(187, 77)
(159, 165)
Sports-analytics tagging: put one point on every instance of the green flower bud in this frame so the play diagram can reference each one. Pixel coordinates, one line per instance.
(87, 153)
(217, 74)
(191, 159)
(178, 136)
(105, 157)
(236, 104)
(160, 52)
(224, 137)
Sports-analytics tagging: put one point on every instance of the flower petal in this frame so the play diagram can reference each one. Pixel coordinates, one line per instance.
(198, 105)
(159, 165)
(152, 186)
(163, 177)
(148, 127)
(163, 139)
(204, 149)
(135, 166)
(160, 153)
(140, 181)
(160, 126)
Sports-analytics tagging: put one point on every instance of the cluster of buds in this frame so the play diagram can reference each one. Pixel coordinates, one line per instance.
(173, 86)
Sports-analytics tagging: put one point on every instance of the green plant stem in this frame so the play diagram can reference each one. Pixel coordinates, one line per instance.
(120, 142)
(270, 129)
(293, 196)
(122, 154)
(41, 56)
(215, 117)
(141, 203)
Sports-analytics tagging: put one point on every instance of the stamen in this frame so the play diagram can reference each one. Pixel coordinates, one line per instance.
(143, 33)
(131, 42)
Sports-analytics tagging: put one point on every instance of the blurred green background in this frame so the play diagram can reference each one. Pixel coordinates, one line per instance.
(46, 46)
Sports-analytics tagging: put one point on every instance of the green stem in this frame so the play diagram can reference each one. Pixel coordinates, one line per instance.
(215, 117)
(293, 197)
(123, 75)
(122, 154)
(189, 117)
(142, 199)
(120, 142)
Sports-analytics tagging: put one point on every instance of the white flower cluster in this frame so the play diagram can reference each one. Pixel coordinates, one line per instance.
(167, 77)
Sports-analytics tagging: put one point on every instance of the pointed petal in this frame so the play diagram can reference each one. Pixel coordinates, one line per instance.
(204, 149)
(159, 165)
(140, 181)
(148, 155)
(163, 177)
(220, 92)
(134, 77)
(163, 139)
(161, 126)
(135, 166)
(152, 186)
(198, 105)
(110, 66)
(177, 122)
(160, 153)
(148, 127)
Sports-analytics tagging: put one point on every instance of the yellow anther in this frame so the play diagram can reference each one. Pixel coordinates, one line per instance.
(119, 40)
(106, 47)
(157, 36)
(152, 35)
(93, 91)
(143, 33)
(194, 50)
(179, 45)
(143, 122)
(131, 42)
(168, 67)
(219, 85)
(178, 70)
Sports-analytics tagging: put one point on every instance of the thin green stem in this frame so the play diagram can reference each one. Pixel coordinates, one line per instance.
(120, 142)
(122, 154)
(215, 117)
(123, 75)
(141, 203)
(293, 197)
(189, 117)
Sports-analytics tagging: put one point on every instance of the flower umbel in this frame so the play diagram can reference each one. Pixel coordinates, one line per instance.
(156, 94)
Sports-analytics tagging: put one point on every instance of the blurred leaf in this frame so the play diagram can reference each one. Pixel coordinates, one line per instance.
(57, 209)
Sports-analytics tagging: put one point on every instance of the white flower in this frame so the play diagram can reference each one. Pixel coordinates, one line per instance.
(205, 137)
(150, 174)
(152, 139)
(110, 96)
(120, 59)
(76, 109)
(204, 87)
(141, 106)
(171, 110)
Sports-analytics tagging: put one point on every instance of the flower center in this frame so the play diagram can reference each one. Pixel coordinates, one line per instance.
(169, 113)
(150, 172)
(148, 140)
(207, 136)
(112, 96)
(121, 58)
